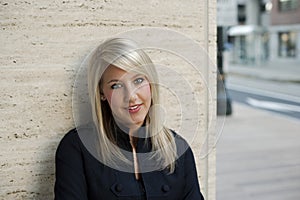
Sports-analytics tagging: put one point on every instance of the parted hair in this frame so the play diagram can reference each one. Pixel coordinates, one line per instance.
(126, 55)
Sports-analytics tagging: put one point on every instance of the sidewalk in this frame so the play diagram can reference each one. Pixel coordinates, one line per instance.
(258, 156)
(273, 71)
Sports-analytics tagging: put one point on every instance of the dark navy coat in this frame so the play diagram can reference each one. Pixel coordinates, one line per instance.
(80, 176)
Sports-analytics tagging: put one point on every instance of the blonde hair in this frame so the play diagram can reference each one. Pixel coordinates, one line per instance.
(125, 54)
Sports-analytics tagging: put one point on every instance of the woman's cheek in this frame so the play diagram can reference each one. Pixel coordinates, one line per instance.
(148, 90)
(115, 98)
(109, 95)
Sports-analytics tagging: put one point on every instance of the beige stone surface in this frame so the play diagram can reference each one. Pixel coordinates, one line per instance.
(43, 44)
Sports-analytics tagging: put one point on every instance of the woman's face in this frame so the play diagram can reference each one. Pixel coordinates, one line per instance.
(128, 95)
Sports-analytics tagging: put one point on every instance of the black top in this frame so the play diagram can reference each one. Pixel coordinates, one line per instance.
(79, 175)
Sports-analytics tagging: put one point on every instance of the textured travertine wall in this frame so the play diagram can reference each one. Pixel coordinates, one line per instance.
(42, 46)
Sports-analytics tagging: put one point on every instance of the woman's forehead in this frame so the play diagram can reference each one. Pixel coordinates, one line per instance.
(114, 72)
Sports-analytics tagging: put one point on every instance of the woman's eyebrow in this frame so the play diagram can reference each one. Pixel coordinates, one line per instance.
(113, 80)
(136, 75)
(117, 80)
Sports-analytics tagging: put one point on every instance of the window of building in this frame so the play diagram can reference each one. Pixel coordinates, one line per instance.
(286, 5)
(287, 44)
(241, 14)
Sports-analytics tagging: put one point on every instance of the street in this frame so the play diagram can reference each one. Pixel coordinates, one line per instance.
(270, 102)
(258, 150)
(275, 96)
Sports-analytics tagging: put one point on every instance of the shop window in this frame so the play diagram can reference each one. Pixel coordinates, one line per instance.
(287, 44)
(286, 5)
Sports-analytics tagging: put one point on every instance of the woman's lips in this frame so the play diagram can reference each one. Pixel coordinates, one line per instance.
(134, 108)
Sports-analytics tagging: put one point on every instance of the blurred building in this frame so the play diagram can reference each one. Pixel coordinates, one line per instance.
(266, 30)
(284, 30)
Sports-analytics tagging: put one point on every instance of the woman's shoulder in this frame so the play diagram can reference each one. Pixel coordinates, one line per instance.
(70, 140)
(183, 148)
(80, 140)
(179, 140)
(77, 135)
(70, 135)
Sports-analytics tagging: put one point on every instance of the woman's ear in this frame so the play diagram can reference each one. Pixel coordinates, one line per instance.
(102, 97)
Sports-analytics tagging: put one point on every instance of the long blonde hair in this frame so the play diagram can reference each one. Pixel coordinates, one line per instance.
(125, 54)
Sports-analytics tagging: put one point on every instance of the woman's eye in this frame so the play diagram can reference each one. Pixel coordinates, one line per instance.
(138, 80)
(116, 86)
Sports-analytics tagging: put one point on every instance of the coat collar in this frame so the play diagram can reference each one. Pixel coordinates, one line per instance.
(121, 135)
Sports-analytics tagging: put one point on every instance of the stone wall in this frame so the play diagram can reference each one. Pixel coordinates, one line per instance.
(42, 45)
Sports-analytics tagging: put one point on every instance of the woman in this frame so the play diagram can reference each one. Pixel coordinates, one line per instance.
(137, 157)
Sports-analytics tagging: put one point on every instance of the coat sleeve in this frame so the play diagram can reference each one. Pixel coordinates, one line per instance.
(70, 183)
(192, 188)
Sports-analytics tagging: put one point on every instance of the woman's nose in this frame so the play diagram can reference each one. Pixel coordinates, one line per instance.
(131, 93)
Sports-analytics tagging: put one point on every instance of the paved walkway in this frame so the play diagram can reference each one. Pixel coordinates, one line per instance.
(258, 156)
